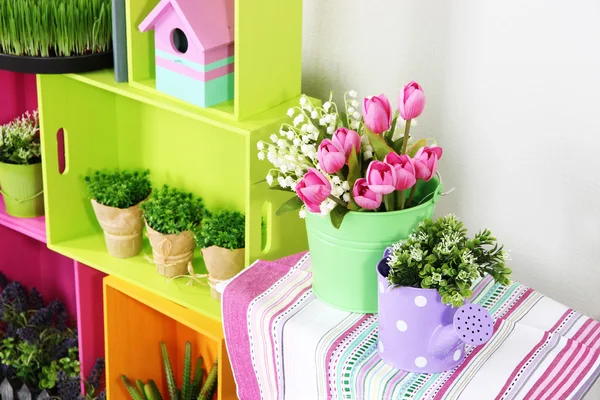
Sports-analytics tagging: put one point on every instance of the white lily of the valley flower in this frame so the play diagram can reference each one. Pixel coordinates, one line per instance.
(261, 155)
(291, 112)
(346, 185)
(281, 181)
(260, 145)
(355, 103)
(303, 101)
(273, 138)
(290, 182)
(297, 142)
(302, 213)
(299, 119)
(336, 180)
(356, 115)
(269, 179)
(367, 155)
(352, 93)
(346, 197)
(314, 114)
(290, 135)
(350, 110)
(326, 106)
(330, 129)
(354, 124)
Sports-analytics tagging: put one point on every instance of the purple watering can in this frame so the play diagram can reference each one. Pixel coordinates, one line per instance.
(419, 333)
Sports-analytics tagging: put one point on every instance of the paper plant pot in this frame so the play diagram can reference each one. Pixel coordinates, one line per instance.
(343, 259)
(171, 253)
(122, 229)
(22, 189)
(419, 333)
(221, 265)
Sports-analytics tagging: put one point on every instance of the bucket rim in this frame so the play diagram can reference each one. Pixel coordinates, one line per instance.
(437, 193)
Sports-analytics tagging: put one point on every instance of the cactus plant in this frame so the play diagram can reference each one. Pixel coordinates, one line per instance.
(190, 389)
(210, 386)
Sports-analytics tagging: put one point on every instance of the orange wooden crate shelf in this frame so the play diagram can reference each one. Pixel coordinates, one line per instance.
(136, 320)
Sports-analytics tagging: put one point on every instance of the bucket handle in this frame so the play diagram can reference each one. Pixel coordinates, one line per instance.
(437, 193)
(21, 200)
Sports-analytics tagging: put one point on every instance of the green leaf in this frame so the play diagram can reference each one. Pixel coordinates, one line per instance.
(292, 204)
(380, 147)
(337, 216)
(277, 187)
(415, 147)
(353, 176)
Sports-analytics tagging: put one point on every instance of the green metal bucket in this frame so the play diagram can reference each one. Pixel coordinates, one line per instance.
(344, 260)
(22, 189)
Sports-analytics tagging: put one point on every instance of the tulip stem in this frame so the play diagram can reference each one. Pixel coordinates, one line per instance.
(400, 200)
(412, 194)
(406, 134)
(388, 201)
(338, 201)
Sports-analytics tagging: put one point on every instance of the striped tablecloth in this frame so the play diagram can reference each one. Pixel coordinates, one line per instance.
(286, 344)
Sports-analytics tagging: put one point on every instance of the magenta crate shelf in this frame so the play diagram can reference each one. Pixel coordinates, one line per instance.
(18, 93)
(33, 227)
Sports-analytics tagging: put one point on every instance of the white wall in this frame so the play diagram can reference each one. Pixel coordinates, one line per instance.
(513, 91)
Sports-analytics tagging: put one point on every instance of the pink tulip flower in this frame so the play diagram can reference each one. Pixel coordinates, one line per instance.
(405, 170)
(411, 101)
(331, 157)
(381, 177)
(364, 196)
(346, 139)
(313, 189)
(425, 162)
(377, 113)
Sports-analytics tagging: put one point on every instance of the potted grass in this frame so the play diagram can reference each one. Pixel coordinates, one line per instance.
(172, 222)
(222, 239)
(21, 167)
(55, 36)
(116, 197)
(424, 285)
(361, 181)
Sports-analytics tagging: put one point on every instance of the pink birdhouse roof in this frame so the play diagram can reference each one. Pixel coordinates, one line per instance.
(210, 21)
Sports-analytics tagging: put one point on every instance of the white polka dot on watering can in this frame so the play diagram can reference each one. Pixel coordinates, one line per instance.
(380, 346)
(457, 355)
(381, 288)
(420, 301)
(421, 362)
(402, 326)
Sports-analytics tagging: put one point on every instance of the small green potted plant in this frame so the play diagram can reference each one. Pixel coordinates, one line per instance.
(191, 388)
(21, 166)
(172, 222)
(222, 239)
(116, 197)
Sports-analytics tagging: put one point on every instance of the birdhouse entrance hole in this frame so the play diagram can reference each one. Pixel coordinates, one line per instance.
(180, 41)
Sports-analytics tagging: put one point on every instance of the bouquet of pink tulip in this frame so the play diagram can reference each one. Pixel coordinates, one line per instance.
(336, 163)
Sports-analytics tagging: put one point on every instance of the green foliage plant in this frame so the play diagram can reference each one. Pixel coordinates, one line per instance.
(439, 255)
(20, 140)
(120, 188)
(55, 28)
(225, 229)
(191, 389)
(172, 211)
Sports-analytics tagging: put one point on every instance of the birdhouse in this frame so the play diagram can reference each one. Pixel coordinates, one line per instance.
(194, 49)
